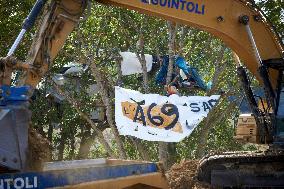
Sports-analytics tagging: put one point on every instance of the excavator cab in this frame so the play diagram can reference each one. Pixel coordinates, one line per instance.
(246, 129)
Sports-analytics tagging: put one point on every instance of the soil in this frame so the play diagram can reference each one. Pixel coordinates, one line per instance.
(183, 175)
(39, 151)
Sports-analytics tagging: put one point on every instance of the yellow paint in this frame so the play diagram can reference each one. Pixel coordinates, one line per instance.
(229, 30)
(129, 110)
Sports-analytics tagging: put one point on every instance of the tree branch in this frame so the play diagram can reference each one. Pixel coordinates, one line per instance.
(75, 105)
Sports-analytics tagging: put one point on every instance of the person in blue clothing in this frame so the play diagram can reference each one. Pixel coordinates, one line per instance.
(185, 76)
(189, 75)
(187, 80)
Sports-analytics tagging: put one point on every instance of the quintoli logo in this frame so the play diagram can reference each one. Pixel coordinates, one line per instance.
(183, 5)
(19, 183)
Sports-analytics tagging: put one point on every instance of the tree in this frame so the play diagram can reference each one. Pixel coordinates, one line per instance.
(274, 12)
(96, 43)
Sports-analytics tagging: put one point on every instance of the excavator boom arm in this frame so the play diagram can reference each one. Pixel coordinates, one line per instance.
(220, 18)
(59, 21)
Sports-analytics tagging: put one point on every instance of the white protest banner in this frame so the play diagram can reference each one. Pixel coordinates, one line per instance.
(154, 117)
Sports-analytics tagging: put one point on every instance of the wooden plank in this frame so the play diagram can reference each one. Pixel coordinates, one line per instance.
(75, 164)
(124, 162)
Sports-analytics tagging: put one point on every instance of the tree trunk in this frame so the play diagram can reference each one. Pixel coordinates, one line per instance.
(99, 134)
(163, 154)
(142, 60)
(61, 146)
(140, 148)
(202, 139)
(218, 69)
(184, 32)
(172, 36)
(49, 132)
(72, 147)
(109, 112)
(87, 140)
(119, 81)
(213, 118)
(167, 151)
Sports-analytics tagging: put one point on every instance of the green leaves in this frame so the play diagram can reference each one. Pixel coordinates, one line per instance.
(274, 10)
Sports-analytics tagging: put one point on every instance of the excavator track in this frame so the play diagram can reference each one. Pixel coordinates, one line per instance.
(243, 169)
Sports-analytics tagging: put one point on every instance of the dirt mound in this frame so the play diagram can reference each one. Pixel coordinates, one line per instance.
(38, 152)
(183, 175)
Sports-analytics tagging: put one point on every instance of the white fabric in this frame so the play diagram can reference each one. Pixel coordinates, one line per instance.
(191, 111)
(131, 65)
(182, 74)
(74, 70)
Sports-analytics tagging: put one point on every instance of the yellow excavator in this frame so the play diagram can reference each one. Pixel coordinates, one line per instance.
(238, 23)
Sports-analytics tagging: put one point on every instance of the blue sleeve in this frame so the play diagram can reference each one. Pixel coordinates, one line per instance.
(162, 74)
(182, 64)
(185, 67)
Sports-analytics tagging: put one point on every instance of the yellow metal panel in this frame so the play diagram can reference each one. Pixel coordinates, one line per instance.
(229, 30)
(202, 14)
